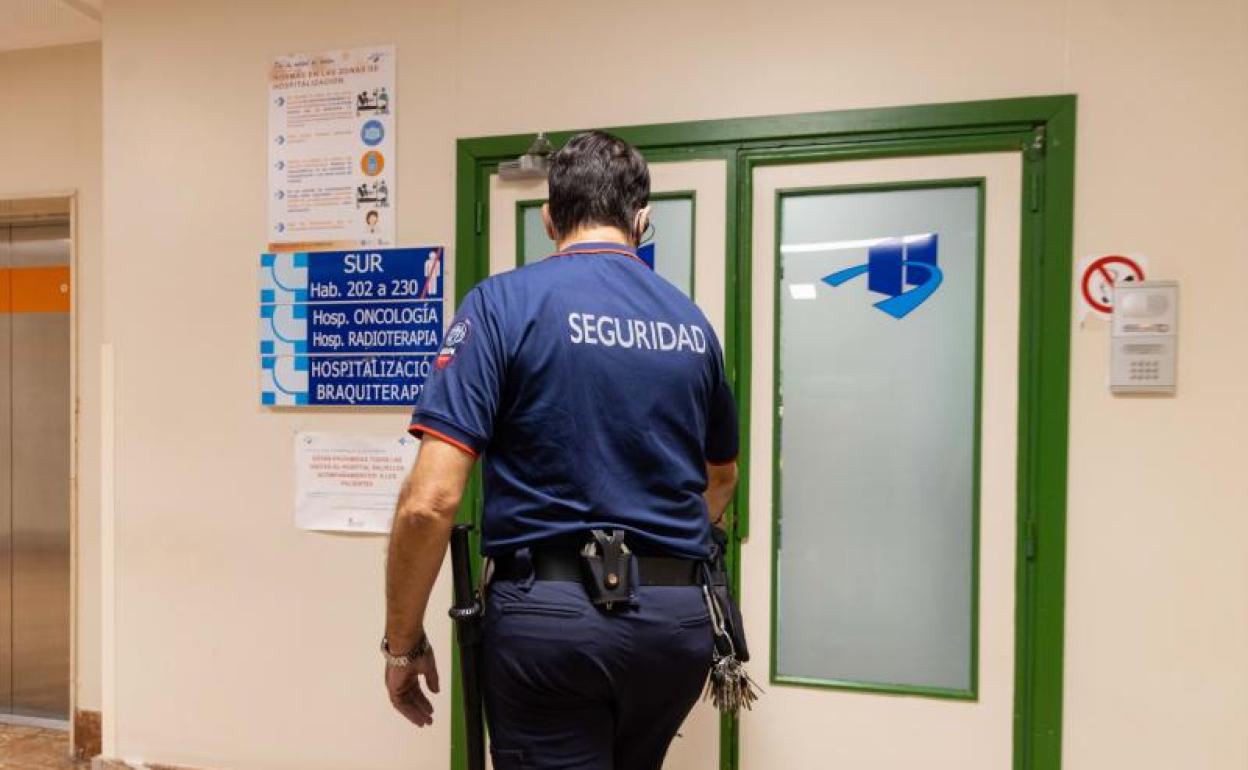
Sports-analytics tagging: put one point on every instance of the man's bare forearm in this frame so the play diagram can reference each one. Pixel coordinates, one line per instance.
(417, 547)
(419, 537)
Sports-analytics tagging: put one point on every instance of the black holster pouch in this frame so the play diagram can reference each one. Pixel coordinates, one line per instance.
(609, 570)
(721, 591)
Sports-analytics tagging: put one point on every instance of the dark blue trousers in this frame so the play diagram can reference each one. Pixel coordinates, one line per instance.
(573, 687)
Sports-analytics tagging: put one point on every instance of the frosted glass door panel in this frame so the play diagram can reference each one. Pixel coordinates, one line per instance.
(878, 309)
(537, 245)
(672, 243)
(673, 240)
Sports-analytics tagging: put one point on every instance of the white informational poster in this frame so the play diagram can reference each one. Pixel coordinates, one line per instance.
(349, 482)
(331, 150)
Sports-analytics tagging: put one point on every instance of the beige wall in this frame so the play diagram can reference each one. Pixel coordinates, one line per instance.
(50, 143)
(1157, 608)
(243, 644)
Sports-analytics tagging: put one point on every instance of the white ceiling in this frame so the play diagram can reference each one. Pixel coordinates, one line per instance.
(39, 23)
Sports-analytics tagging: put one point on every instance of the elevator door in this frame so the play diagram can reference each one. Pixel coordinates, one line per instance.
(34, 469)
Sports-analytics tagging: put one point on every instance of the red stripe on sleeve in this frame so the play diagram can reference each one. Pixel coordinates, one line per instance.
(443, 437)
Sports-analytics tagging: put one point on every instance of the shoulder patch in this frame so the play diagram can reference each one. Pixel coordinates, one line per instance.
(456, 337)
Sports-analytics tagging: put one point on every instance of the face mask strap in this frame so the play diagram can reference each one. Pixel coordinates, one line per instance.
(648, 230)
(647, 235)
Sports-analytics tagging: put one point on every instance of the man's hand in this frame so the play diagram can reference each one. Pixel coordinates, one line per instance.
(422, 527)
(403, 684)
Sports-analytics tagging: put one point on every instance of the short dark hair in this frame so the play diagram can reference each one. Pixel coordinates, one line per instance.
(597, 179)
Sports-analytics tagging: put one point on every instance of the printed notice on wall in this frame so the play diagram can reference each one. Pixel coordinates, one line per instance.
(331, 150)
(349, 482)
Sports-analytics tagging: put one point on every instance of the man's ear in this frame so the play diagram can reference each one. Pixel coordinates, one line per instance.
(549, 223)
(640, 223)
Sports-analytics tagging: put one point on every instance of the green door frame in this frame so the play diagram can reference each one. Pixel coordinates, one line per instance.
(1043, 129)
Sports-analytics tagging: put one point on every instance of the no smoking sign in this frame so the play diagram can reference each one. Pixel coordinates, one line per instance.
(1098, 275)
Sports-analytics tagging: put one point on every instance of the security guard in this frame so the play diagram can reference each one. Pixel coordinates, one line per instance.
(595, 393)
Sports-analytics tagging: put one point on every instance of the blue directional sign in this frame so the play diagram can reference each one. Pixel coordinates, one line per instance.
(351, 276)
(349, 328)
(382, 380)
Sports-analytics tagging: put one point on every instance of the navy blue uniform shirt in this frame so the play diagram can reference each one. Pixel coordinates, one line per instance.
(595, 392)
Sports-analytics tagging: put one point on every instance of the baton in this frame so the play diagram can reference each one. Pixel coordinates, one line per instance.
(466, 612)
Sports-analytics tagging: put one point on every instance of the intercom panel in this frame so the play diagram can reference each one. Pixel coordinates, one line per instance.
(1144, 338)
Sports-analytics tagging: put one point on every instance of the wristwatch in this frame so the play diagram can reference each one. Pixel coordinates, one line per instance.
(407, 658)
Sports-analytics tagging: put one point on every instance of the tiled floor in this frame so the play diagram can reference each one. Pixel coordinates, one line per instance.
(32, 748)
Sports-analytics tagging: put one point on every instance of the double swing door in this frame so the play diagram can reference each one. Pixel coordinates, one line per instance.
(872, 309)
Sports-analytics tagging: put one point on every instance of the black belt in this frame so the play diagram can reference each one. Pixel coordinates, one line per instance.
(565, 566)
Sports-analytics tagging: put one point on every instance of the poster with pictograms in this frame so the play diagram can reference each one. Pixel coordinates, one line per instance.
(331, 142)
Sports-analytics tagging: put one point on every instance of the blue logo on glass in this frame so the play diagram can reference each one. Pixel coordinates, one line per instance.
(646, 252)
(372, 133)
(893, 264)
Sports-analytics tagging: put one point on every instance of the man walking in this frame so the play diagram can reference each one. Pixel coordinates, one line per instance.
(595, 394)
